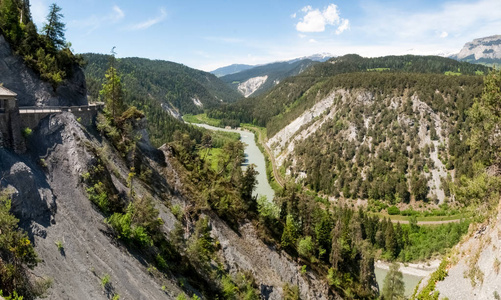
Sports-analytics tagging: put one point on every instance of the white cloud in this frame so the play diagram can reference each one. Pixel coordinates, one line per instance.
(345, 24)
(148, 23)
(313, 41)
(465, 20)
(316, 20)
(306, 9)
(117, 15)
(302, 35)
(294, 15)
(94, 22)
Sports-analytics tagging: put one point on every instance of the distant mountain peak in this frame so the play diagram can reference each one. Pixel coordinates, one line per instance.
(483, 50)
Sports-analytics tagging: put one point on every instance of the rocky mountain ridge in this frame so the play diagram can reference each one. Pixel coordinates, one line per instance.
(485, 50)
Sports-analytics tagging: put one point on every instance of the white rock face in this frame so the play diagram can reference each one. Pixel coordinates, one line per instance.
(284, 142)
(197, 102)
(488, 47)
(248, 87)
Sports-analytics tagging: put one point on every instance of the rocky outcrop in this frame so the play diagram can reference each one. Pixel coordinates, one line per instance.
(483, 49)
(31, 90)
(53, 206)
(474, 270)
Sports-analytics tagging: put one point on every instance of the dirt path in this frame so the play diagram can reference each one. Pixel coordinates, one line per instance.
(428, 222)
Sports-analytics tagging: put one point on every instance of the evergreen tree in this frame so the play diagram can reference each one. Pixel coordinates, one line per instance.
(111, 93)
(486, 116)
(9, 21)
(248, 184)
(290, 234)
(394, 287)
(54, 28)
(391, 241)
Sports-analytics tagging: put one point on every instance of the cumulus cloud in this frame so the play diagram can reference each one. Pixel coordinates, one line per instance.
(444, 34)
(150, 22)
(316, 20)
(345, 24)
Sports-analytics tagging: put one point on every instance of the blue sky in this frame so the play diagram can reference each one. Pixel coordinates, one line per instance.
(210, 34)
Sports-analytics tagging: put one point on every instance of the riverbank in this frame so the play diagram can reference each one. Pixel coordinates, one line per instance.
(421, 269)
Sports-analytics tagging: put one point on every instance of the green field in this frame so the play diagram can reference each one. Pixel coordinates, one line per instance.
(378, 69)
(201, 118)
(425, 219)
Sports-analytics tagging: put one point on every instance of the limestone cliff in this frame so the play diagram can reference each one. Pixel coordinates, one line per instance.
(483, 50)
(473, 269)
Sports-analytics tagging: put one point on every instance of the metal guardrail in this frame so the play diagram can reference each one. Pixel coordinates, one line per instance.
(58, 109)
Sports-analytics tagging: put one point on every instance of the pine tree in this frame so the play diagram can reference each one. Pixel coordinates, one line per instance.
(9, 21)
(391, 240)
(486, 116)
(248, 184)
(290, 233)
(394, 287)
(112, 93)
(54, 28)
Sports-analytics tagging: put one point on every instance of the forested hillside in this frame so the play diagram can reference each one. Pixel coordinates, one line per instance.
(295, 94)
(162, 90)
(388, 129)
(179, 88)
(272, 74)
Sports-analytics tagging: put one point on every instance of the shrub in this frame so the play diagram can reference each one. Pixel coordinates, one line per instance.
(106, 280)
(393, 210)
(27, 132)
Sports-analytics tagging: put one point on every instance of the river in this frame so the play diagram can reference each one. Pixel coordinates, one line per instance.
(254, 156)
(410, 281)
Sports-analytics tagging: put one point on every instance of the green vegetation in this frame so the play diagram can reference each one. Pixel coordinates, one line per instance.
(60, 246)
(46, 53)
(275, 72)
(17, 256)
(173, 86)
(393, 283)
(201, 119)
(378, 69)
(106, 280)
(27, 132)
(294, 95)
(428, 292)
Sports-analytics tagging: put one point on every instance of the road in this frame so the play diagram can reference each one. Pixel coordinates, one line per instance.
(428, 222)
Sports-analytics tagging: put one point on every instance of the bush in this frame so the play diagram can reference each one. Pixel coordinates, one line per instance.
(393, 210)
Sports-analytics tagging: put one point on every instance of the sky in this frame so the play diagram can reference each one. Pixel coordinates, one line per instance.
(210, 34)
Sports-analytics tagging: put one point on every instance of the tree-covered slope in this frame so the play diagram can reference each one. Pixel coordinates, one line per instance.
(178, 87)
(388, 129)
(272, 74)
(294, 95)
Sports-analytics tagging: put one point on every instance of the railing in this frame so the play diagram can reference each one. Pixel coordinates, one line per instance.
(58, 109)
